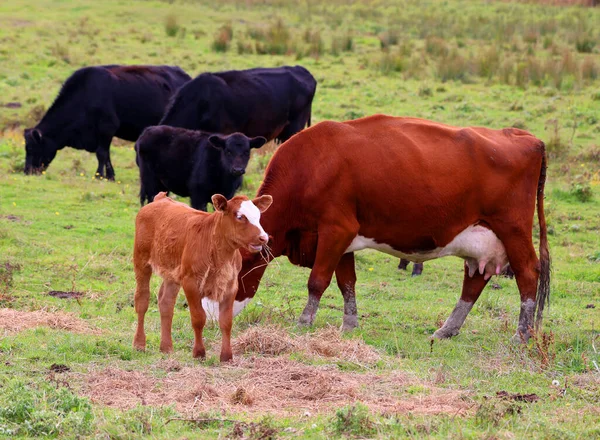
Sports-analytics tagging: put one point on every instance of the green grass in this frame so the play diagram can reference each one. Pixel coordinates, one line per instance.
(65, 230)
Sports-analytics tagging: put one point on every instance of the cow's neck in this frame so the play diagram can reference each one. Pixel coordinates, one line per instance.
(56, 128)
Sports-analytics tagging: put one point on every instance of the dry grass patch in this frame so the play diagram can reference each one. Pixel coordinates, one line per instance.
(325, 343)
(13, 321)
(277, 386)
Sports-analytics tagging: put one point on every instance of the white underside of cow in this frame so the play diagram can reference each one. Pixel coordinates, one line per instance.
(480, 248)
(212, 308)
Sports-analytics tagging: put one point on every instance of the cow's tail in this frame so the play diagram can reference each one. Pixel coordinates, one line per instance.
(543, 293)
(309, 116)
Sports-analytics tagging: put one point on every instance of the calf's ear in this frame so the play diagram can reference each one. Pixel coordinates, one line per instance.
(263, 202)
(217, 141)
(219, 202)
(257, 142)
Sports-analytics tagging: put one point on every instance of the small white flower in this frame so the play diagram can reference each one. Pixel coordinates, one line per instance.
(555, 383)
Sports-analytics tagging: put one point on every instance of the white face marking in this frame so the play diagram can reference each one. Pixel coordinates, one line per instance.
(252, 213)
(478, 245)
(212, 308)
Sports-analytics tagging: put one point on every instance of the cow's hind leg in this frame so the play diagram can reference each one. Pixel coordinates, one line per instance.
(525, 265)
(143, 273)
(331, 246)
(345, 275)
(167, 296)
(197, 314)
(472, 287)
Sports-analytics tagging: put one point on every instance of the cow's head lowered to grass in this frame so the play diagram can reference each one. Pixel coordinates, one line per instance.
(39, 151)
(235, 150)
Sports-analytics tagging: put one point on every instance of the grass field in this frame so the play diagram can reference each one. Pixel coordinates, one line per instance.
(67, 367)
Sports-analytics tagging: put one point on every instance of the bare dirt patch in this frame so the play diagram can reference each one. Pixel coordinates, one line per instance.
(65, 295)
(13, 321)
(274, 383)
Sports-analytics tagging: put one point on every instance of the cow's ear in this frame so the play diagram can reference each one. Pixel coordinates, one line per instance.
(263, 202)
(217, 141)
(257, 142)
(219, 202)
(36, 135)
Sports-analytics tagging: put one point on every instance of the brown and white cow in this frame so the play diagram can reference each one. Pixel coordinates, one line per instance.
(340, 187)
(199, 252)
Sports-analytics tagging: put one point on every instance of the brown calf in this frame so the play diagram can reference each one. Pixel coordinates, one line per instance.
(199, 252)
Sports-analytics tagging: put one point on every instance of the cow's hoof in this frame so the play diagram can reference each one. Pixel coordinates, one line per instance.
(305, 320)
(444, 333)
(520, 338)
(416, 274)
(139, 347)
(350, 323)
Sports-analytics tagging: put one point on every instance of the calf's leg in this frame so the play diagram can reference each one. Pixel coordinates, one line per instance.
(143, 273)
(345, 275)
(472, 287)
(225, 323)
(167, 296)
(197, 314)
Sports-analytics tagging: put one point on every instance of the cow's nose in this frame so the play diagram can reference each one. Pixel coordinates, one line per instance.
(263, 238)
(239, 171)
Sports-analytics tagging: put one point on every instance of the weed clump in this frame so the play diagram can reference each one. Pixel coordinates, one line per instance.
(354, 421)
(171, 25)
(41, 410)
(223, 38)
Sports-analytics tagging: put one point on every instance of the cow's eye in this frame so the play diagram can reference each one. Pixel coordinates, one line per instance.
(239, 216)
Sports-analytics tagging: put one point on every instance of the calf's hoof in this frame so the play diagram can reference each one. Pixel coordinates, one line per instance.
(350, 323)
(445, 333)
(199, 353)
(166, 348)
(139, 343)
(226, 357)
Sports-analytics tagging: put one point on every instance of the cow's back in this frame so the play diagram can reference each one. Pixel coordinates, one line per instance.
(417, 175)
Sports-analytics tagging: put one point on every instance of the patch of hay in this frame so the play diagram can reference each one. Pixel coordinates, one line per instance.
(14, 321)
(328, 343)
(268, 340)
(268, 385)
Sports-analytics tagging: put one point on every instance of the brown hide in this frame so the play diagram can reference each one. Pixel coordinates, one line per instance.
(411, 184)
(194, 250)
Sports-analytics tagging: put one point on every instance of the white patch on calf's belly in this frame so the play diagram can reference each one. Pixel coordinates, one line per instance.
(477, 245)
(212, 308)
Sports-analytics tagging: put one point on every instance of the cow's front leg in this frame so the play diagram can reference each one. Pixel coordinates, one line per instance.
(104, 163)
(332, 244)
(345, 275)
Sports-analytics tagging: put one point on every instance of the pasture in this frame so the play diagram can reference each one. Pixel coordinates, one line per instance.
(67, 367)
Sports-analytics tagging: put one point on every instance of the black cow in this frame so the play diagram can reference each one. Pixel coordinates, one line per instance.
(274, 103)
(99, 102)
(192, 163)
(417, 267)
